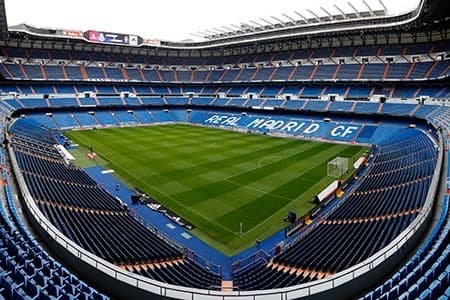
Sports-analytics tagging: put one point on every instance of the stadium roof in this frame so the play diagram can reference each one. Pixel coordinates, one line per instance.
(197, 20)
(335, 13)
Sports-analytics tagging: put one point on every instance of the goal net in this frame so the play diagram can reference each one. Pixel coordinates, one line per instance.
(337, 167)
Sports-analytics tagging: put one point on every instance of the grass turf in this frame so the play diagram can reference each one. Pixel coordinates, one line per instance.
(217, 179)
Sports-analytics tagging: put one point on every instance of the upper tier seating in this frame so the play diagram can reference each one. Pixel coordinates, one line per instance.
(317, 64)
(335, 52)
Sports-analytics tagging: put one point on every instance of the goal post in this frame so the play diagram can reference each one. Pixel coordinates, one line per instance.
(337, 167)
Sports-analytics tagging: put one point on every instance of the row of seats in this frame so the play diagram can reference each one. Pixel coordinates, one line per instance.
(102, 118)
(26, 270)
(264, 276)
(390, 108)
(386, 50)
(357, 229)
(427, 274)
(67, 193)
(182, 273)
(266, 91)
(90, 216)
(116, 237)
(376, 71)
(52, 169)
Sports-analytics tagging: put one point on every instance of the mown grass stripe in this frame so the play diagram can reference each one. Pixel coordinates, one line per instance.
(286, 193)
(227, 185)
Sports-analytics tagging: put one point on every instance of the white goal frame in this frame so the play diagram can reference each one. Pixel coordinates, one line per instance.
(337, 167)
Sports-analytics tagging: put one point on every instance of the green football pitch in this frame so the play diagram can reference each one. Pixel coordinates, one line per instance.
(218, 179)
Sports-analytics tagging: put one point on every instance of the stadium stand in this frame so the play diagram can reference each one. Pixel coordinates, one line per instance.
(375, 87)
(22, 68)
(350, 229)
(65, 195)
(28, 271)
(56, 213)
(426, 275)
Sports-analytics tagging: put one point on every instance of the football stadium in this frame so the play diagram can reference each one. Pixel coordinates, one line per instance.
(302, 157)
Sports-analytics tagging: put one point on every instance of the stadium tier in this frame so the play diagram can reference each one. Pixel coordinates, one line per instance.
(68, 195)
(28, 271)
(186, 157)
(422, 62)
(313, 72)
(426, 275)
(87, 95)
(359, 227)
